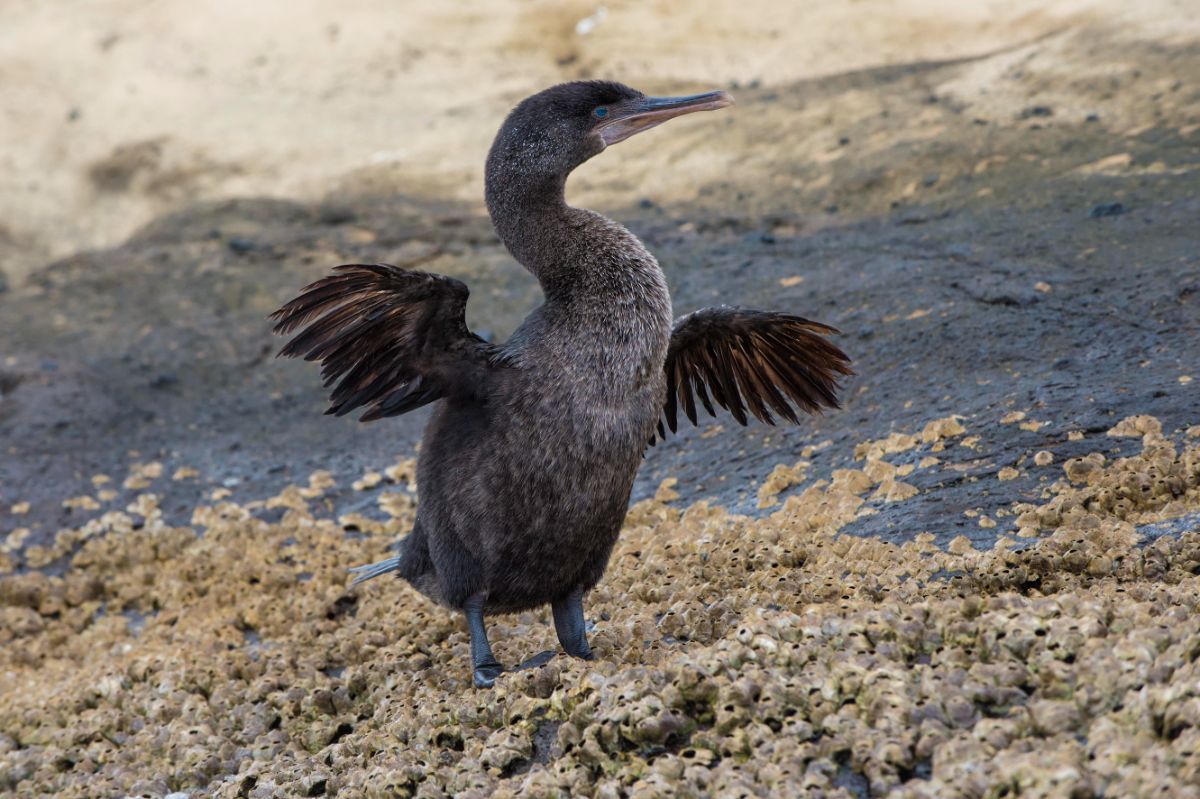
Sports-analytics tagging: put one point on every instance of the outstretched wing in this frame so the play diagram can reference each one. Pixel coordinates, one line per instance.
(758, 361)
(392, 339)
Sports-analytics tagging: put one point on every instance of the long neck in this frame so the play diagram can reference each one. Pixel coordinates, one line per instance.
(575, 254)
(532, 218)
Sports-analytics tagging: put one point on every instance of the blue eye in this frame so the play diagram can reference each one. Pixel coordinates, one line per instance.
(601, 112)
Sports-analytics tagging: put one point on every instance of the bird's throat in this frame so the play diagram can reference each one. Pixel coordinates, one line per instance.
(530, 215)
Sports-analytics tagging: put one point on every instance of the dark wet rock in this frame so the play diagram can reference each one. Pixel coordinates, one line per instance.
(998, 289)
(164, 380)
(241, 245)
(965, 304)
(919, 216)
(335, 213)
(971, 279)
(1107, 209)
(1188, 523)
(1037, 111)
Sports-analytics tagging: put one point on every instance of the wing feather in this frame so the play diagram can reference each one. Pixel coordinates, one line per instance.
(751, 363)
(389, 339)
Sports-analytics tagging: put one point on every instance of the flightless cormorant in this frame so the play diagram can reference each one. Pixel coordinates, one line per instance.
(530, 453)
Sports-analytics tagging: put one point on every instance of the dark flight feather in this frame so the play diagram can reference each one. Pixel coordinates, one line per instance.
(756, 361)
(392, 339)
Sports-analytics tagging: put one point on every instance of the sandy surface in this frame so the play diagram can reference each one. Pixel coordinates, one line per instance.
(114, 112)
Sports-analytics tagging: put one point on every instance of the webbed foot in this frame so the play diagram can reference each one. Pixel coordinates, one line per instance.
(540, 659)
(486, 673)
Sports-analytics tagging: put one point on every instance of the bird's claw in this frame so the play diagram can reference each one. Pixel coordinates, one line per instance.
(486, 674)
(540, 659)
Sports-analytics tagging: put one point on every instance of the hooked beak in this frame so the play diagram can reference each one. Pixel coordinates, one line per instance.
(643, 114)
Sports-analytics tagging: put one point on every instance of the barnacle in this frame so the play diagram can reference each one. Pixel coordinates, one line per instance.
(768, 656)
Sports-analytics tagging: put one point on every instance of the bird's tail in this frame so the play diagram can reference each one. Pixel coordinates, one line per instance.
(373, 570)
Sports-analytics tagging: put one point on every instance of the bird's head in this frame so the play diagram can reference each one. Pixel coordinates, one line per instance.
(549, 134)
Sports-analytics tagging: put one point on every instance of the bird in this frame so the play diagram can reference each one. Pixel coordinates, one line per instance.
(529, 455)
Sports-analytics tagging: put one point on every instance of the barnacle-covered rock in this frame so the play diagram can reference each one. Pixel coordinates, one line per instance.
(764, 656)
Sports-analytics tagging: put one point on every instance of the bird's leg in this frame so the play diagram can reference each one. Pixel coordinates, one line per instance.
(571, 627)
(483, 662)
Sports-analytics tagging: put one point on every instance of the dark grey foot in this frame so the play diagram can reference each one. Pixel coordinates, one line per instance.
(571, 626)
(540, 659)
(486, 674)
(486, 667)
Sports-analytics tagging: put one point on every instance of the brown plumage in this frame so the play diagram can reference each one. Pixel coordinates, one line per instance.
(530, 453)
(392, 339)
(758, 360)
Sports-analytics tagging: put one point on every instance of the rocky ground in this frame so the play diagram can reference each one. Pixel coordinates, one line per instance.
(976, 579)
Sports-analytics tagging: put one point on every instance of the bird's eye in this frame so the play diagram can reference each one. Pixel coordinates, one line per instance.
(601, 112)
